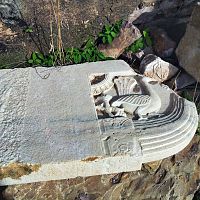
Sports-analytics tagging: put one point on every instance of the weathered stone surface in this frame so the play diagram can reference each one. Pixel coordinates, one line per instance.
(162, 44)
(188, 50)
(107, 120)
(80, 19)
(9, 10)
(176, 178)
(156, 68)
(128, 34)
(183, 80)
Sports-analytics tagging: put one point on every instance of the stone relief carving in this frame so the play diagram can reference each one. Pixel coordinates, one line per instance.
(134, 107)
(125, 96)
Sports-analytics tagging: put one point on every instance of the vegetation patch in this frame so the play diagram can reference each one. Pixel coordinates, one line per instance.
(89, 51)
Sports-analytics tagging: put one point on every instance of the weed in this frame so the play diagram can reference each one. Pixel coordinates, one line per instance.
(29, 30)
(110, 32)
(141, 43)
(88, 53)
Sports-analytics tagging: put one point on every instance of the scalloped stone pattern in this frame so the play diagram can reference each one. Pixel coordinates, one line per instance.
(70, 125)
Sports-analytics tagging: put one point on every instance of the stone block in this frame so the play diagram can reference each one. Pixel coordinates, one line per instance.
(88, 119)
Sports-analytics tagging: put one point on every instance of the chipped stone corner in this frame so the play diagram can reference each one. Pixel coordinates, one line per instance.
(91, 159)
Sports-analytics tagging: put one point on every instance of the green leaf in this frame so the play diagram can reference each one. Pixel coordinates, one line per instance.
(38, 61)
(34, 56)
(149, 41)
(29, 30)
(101, 56)
(40, 56)
(145, 33)
(110, 39)
(133, 49)
(30, 61)
(87, 57)
(140, 45)
(113, 34)
(101, 34)
(104, 40)
(50, 63)
(108, 28)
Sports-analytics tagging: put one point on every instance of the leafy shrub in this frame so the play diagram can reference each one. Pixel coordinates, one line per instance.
(110, 32)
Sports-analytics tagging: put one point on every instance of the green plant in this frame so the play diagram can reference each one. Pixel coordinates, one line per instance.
(109, 32)
(88, 53)
(28, 30)
(141, 43)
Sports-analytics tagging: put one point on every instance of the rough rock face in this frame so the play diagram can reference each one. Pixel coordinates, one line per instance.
(188, 50)
(79, 18)
(176, 177)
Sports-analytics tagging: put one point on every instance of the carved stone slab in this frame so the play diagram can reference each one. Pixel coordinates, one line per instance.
(84, 120)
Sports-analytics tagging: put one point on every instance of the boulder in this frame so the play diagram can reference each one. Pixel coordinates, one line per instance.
(188, 51)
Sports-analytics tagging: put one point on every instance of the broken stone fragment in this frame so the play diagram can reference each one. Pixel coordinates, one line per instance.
(128, 34)
(156, 68)
(163, 45)
(188, 51)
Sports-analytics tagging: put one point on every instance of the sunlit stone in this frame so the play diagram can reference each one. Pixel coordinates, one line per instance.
(89, 119)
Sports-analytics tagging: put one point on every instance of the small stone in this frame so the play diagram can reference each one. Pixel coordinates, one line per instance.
(117, 178)
(188, 50)
(163, 45)
(141, 54)
(156, 68)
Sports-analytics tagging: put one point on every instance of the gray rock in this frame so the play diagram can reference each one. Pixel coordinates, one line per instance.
(10, 10)
(188, 50)
(163, 45)
(183, 80)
